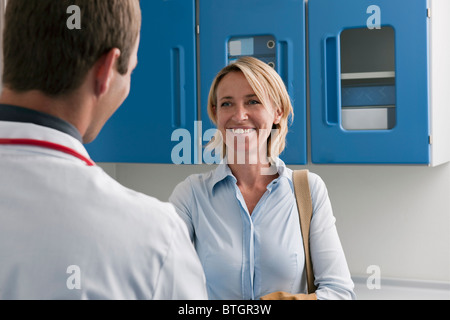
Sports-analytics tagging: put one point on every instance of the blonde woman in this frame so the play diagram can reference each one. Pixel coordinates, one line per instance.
(242, 217)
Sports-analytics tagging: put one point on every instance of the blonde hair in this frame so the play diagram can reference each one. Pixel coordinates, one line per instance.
(268, 87)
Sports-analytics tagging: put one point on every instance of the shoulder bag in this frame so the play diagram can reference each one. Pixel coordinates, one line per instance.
(305, 209)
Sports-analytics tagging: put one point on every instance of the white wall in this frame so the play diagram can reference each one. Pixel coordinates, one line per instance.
(394, 217)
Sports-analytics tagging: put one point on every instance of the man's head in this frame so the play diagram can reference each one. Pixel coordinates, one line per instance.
(79, 75)
(42, 53)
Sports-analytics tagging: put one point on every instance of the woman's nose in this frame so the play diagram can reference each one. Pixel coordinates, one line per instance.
(240, 113)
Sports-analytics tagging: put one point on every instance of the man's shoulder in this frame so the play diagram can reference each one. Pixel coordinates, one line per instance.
(129, 205)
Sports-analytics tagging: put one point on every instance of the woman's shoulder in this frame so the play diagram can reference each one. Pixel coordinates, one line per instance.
(316, 184)
(194, 182)
(196, 179)
(315, 180)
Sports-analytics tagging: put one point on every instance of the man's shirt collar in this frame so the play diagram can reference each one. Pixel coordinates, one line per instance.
(19, 114)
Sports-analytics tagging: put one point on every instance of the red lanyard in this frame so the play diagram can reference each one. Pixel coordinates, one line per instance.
(48, 145)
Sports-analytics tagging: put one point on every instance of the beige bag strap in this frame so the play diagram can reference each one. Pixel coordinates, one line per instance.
(304, 204)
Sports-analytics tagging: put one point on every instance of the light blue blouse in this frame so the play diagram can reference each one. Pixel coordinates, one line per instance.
(248, 256)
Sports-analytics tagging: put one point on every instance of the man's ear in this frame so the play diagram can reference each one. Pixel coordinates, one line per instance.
(105, 68)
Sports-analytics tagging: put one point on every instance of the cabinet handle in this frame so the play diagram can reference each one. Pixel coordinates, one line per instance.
(331, 80)
(284, 64)
(178, 87)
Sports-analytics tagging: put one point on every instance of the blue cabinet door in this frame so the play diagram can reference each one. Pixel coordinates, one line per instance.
(369, 81)
(163, 90)
(273, 31)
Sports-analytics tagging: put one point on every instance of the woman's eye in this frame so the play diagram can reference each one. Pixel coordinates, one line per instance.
(225, 104)
(253, 102)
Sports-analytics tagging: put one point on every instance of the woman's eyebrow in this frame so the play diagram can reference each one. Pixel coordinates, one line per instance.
(230, 97)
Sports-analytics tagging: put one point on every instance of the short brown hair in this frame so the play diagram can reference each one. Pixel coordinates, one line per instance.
(42, 53)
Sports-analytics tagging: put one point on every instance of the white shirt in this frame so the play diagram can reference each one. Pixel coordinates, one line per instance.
(248, 256)
(69, 231)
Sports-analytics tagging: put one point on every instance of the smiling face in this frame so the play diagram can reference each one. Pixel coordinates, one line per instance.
(243, 120)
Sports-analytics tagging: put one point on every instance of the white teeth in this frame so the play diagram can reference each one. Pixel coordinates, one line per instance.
(242, 131)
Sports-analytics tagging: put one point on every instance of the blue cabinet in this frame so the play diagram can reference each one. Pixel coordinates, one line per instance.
(163, 94)
(273, 31)
(369, 81)
(378, 75)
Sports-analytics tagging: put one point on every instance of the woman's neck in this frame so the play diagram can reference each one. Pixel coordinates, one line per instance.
(253, 175)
